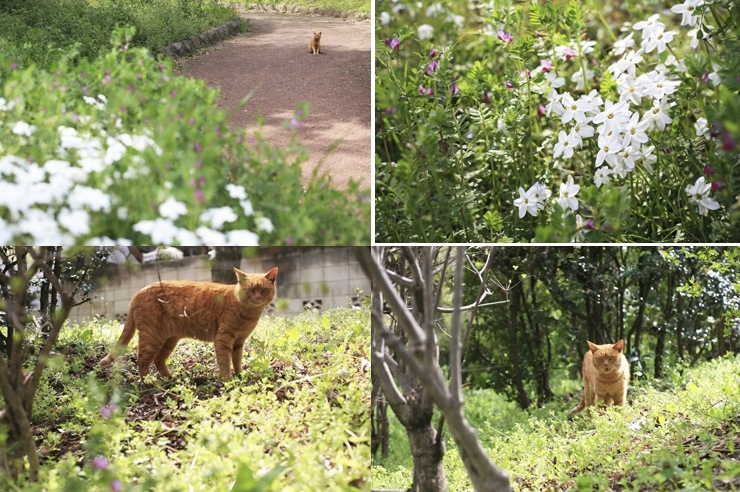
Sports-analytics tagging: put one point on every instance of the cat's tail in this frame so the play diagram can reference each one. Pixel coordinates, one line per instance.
(129, 328)
(581, 405)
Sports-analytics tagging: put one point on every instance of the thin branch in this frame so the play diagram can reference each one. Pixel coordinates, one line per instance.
(470, 307)
(399, 279)
(455, 352)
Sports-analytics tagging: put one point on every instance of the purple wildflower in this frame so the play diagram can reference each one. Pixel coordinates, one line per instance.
(487, 98)
(509, 85)
(131, 88)
(454, 89)
(717, 185)
(728, 143)
(395, 44)
(295, 123)
(708, 170)
(199, 196)
(100, 463)
(505, 36)
(541, 110)
(433, 53)
(197, 147)
(425, 91)
(390, 110)
(546, 65)
(173, 93)
(590, 224)
(704, 77)
(116, 485)
(14, 66)
(569, 53)
(289, 241)
(432, 67)
(107, 410)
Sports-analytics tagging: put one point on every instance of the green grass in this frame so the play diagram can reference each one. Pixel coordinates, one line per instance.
(300, 410)
(352, 5)
(40, 29)
(681, 434)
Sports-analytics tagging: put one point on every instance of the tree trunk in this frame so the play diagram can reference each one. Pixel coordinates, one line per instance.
(659, 350)
(222, 267)
(521, 395)
(428, 453)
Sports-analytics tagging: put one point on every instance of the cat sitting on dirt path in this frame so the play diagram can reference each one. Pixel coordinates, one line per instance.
(167, 311)
(314, 46)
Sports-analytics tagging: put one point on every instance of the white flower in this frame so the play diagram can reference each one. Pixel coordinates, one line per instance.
(92, 198)
(236, 191)
(621, 45)
(609, 145)
(601, 177)
(649, 26)
(577, 77)
(702, 127)
(541, 194)
(23, 129)
(659, 39)
(565, 145)
(583, 131)
(568, 192)
(614, 116)
(425, 31)
(247, 207)
(687, 10)
(115, 152)
(575, 110)
(435, 9)
(264, 224)
(659, 86)
(627, 63)
(657, 117)
(210, 237)
(160, 231)
(526, 202)
(627, 158)
(77, 222)
(648, 159)
(629, 89)
(242, 238)
(217, 217)
(6, 106)
(172, 209)
(385, 18)
(699, 194)
(634, 132)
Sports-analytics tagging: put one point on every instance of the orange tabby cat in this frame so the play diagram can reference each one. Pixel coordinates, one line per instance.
(314, 46)
(168, 311)
(606, 375)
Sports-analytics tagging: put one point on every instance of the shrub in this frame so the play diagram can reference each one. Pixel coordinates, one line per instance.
(567, 121)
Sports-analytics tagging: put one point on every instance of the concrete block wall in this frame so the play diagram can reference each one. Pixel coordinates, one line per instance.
(325, 277)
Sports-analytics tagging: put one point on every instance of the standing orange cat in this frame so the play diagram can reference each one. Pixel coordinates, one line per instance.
(314, 46)
(168, 311)
(606, 374)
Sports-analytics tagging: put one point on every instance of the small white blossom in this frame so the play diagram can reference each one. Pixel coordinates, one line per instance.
(23, 129)
(526, 202)
(172, 209)
(264, 224)
(425, 31)
(217, 217)
(568, 192)
(699, 194)
(601, 177)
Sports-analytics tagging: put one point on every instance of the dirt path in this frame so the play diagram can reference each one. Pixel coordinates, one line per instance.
(273, 60)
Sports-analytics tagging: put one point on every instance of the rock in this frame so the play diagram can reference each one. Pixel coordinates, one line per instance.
(271, 8)
(177, 48)
(187, 45)
(196, 42)
(204, 39)
(283, 8)
(168, 51)
(211, 37)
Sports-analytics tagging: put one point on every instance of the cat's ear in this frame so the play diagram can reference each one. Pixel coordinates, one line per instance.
(619, 346)
(272, 275)
(240, 276)
(593, 347)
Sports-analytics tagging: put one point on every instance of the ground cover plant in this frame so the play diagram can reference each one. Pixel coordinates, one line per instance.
(42, 30)
(351, 5)
(296, 419)
(680, 433)
(117, 149)
(557, 121)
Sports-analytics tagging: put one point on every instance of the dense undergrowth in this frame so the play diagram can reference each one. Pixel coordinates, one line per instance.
(353, 5)
(680, 433)
(295, 419)
(40, 30)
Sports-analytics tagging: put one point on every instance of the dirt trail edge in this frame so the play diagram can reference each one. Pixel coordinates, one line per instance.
(273, 61)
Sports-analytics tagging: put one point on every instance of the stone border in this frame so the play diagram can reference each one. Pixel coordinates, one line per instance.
(295, 9)
(208, 38)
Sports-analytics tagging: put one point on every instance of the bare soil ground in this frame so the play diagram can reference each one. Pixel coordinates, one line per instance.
(273, 61)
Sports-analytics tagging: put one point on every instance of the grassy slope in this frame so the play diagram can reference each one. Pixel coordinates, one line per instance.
(680, 434)
(353, 5)
(301, 402)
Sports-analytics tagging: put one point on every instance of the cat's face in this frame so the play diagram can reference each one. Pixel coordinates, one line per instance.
(257, 289)
(317, 36)
(607, 358)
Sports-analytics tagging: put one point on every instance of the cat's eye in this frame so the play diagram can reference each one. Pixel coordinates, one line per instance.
(250, 290)
(264, 289)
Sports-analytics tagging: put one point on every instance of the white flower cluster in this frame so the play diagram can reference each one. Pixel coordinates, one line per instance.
(51, 203)
(620, 126)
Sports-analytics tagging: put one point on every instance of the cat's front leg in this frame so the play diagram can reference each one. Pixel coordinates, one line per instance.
(224, 353)
(236, 355)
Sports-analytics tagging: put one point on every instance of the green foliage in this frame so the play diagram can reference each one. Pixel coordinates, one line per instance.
(295, 419)
(680, 436)
(42, 30)
(449, 163)
(116, 148)
(351, 5)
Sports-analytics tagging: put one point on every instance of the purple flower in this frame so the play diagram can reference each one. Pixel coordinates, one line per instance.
(173, 93)
(425, 91)
(487, 98)
(14, 66)
(454, 89)
(728, 143)
(100, 463)
(432, 67)
(197, 147)
(191, 121)
(84, 88)
(202, 180)
(395, 43)
(131, 88)
(590, 224)
(199, 196)
(704, 77)
(433, 53)
(546, 65)
(107, 410)
(541, 110)
(116, 485)
(505, 36)
(289, 241)
(717, 185)
(539, 34)
(708, 170)
(295, 123)
(390, 110)
(509, 85)
(569, 53)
